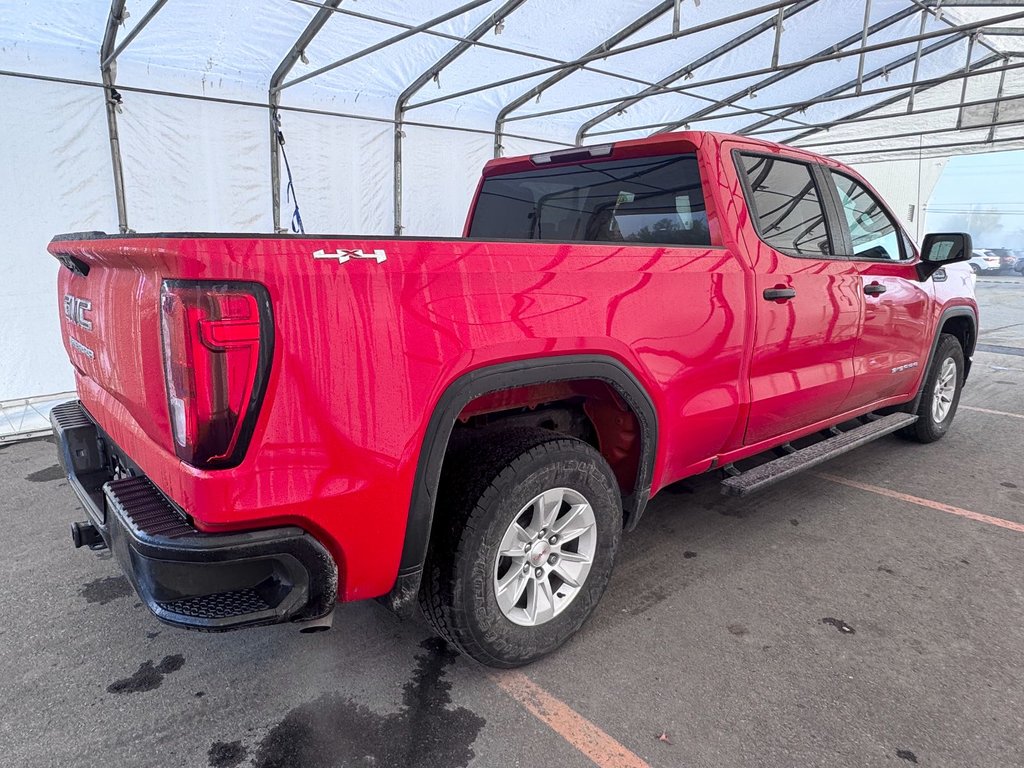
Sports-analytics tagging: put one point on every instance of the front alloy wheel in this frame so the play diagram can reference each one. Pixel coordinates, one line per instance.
(945, 390)
(940, 392)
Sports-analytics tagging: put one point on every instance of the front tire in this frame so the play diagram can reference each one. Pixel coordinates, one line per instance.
(527, 530)
(940, 393)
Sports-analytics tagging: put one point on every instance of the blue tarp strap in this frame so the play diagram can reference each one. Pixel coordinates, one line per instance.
(290, 188)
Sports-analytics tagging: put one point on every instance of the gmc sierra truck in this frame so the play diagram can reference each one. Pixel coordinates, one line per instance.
(266, 425)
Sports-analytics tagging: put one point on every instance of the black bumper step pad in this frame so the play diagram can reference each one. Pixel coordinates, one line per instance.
(147, 510)
(70, 415)
(222, 605)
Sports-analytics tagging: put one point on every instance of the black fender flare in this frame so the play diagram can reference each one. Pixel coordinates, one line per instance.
(957, 311)
(494, 378)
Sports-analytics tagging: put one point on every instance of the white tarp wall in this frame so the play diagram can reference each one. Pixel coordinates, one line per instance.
(204, 166)
(189, 164)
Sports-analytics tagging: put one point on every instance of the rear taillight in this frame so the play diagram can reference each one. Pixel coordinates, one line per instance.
(217, 347)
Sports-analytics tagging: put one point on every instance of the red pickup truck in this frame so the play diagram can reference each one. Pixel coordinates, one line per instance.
(269, 424)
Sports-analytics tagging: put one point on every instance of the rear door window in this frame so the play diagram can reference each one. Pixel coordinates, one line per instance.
(786, 205)
(655, 200)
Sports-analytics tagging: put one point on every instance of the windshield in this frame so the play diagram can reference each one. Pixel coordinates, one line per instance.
(655, 200)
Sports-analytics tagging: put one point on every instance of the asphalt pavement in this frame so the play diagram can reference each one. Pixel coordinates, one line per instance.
(868, 614)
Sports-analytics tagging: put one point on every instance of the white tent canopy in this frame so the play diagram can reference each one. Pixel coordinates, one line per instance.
(444, 87)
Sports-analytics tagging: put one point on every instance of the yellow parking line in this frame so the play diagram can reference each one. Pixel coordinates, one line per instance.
(949, 508)
(598, 746)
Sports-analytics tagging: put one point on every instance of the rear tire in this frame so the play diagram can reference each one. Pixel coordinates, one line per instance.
(491, 500)
(940, 393)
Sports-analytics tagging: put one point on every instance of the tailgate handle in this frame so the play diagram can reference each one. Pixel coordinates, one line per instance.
(779, 293)
(76, 265)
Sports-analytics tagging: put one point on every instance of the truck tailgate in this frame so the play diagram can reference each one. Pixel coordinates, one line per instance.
(109, 293)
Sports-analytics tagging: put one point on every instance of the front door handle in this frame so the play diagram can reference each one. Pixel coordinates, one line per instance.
(874, 289)
(779, 293)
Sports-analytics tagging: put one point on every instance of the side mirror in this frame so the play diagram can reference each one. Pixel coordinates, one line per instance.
(941, 249)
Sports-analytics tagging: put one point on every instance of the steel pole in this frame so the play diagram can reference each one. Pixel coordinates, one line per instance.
(296, 52)
(111, 98)
(995, 109)
(425, 77)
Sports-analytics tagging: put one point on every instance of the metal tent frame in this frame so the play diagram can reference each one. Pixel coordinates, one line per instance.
(784, 116)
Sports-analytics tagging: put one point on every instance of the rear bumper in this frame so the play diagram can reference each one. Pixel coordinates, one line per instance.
(191, 579)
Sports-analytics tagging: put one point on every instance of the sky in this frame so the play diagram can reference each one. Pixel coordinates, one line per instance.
(982, 194)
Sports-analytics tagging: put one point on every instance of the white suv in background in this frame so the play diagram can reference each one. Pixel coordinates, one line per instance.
(983, 261)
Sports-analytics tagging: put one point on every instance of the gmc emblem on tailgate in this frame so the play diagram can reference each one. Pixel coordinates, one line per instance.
(75, 309)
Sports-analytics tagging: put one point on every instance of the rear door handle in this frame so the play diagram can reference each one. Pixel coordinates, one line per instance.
(779, 294)
(874, 289)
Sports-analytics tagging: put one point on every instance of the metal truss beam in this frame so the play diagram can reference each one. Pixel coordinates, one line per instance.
(1011, 31)
(852, 84)
(732, 99)
(434, 71)
(603, 47)
(991, 127)
(687, 70)
(963, 86)
(282, 108)
(977, 3)
(962, 30)
(935, 7)
(559, 63)
(141, 25)
(838, 97)
(864, 42)
(999, 99)
(871, 116)
(856, 116)
(465, 8)
(615, 52)
(478, 44)
(927, 148)
(296, 52)
(917, 62)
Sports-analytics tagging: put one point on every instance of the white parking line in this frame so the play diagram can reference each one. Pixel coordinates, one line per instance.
(990, 411)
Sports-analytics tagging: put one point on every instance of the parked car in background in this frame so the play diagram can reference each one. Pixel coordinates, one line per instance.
(983, 262)
(1007, 258)
(1019, 266)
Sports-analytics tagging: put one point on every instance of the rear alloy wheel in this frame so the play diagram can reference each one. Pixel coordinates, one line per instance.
(940, 393)
(528, 525)
(545, 557)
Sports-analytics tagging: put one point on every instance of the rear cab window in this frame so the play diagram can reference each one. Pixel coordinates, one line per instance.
(655, 200)
(786, 205)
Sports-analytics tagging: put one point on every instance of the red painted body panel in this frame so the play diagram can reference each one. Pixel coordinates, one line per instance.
(364, 351)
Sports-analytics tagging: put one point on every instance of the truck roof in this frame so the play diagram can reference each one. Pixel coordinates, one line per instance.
(662, 143)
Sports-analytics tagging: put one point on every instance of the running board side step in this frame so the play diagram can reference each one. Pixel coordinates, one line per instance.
(742, 483)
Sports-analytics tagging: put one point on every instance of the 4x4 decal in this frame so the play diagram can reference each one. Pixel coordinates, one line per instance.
(345, 254)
